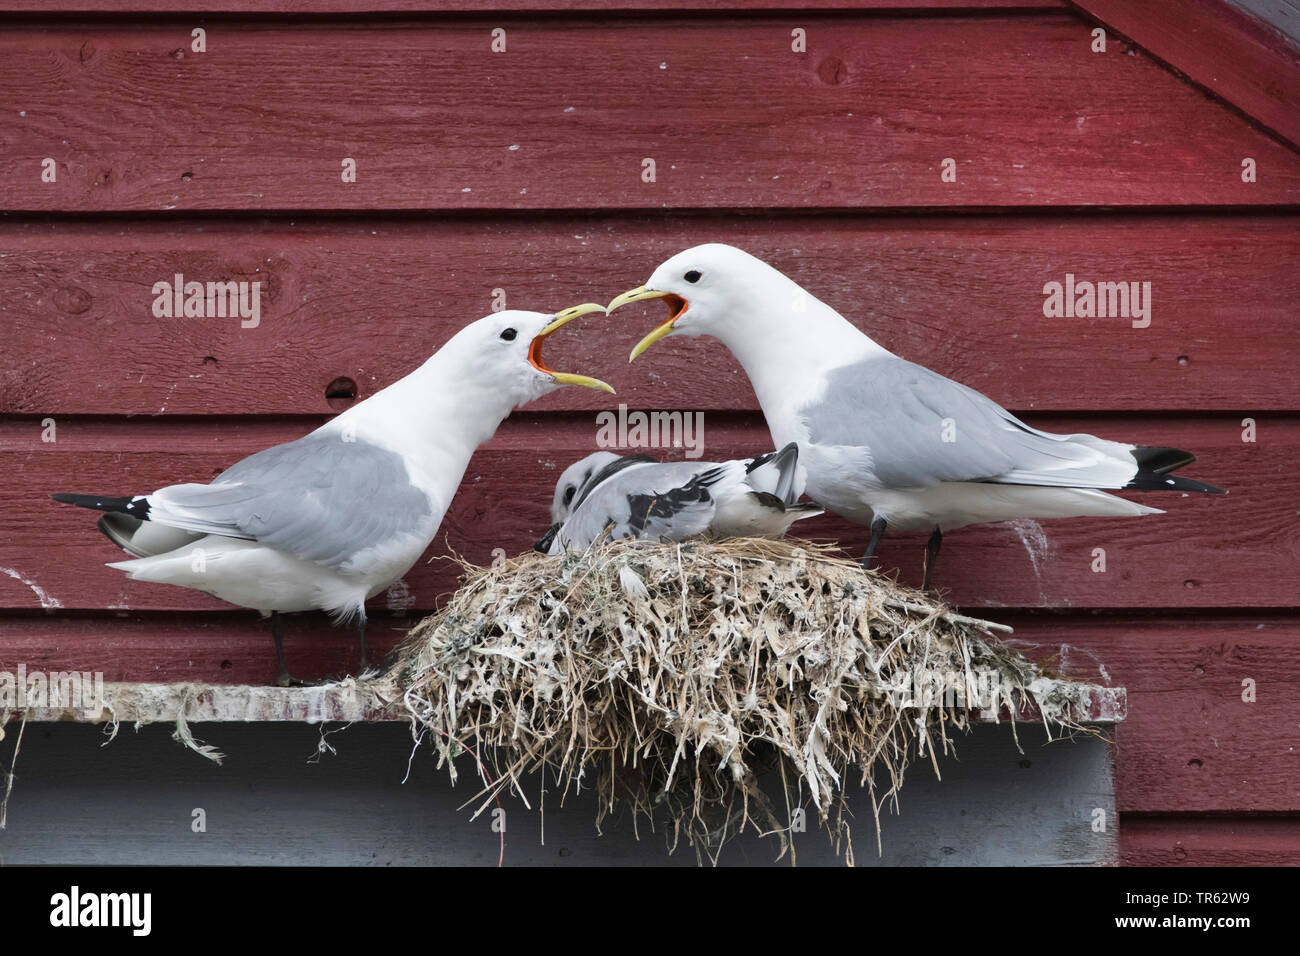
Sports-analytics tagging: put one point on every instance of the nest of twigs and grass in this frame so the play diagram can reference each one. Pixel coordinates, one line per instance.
(709, 687)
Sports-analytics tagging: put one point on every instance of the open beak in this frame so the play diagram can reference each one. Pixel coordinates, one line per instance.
(564, 378)
(676, 306)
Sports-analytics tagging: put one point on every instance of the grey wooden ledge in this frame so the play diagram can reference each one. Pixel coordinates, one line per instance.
(378, 699)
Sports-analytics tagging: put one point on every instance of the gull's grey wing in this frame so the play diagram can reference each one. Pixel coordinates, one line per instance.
(667, 501)
(319, 498)
(776, 473)
(608, 471)
(917, 428)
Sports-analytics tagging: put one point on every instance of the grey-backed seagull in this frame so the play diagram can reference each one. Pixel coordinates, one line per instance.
(887, 442)
(636, 496)
(335, 517)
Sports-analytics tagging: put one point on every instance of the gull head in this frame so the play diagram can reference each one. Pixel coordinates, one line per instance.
(713, 289)
(504, 350)
(568, 488)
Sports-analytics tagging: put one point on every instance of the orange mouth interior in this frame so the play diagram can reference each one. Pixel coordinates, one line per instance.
(676, 307)
(535, 355)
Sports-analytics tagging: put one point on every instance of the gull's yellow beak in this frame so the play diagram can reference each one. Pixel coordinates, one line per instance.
(565, 378)
(676, 306)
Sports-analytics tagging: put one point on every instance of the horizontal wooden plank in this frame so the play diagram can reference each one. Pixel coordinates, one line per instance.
(566, 116)
(1188, 743)
(1207, 551)
(1209, 841)
(210, 647)
(368, 299)
(1220, 47)
(322, 7)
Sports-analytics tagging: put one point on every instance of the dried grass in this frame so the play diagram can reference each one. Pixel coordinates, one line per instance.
(672, 678)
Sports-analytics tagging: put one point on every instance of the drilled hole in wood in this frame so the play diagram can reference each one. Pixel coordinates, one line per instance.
(341, 393)
(186, 177)
(209, 360)
(1183, 360)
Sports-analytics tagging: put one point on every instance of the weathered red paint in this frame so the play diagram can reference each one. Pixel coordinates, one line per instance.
(766, 155)
(730, 115)
(1228, 840)
(961, 294)
(1221, 47)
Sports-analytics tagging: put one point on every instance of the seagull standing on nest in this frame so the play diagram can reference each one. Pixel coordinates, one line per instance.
(886, 442)
(335, 517)
(637, 497)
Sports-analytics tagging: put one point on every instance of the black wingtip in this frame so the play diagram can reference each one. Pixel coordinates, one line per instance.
(768, 500)
(1154, 466)
(776, 503)
(1160, 460)
(137, 506)
(1155, 481)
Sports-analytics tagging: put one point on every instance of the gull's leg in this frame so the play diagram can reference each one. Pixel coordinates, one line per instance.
(361, 636)
(284, 679)
(877, 532)
(931, 555)
(277, 635)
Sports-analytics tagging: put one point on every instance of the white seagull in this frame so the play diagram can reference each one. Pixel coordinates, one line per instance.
(335, 517)
(637, 497)
(887, 442)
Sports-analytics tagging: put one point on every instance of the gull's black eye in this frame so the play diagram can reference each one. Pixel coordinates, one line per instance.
(692, 276)
(568, 494)
(509, 335)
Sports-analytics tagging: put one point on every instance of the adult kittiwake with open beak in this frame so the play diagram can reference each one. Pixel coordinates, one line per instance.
(887, 442)
(333, 518)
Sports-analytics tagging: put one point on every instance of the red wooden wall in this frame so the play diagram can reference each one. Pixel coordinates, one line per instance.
(522, 171)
